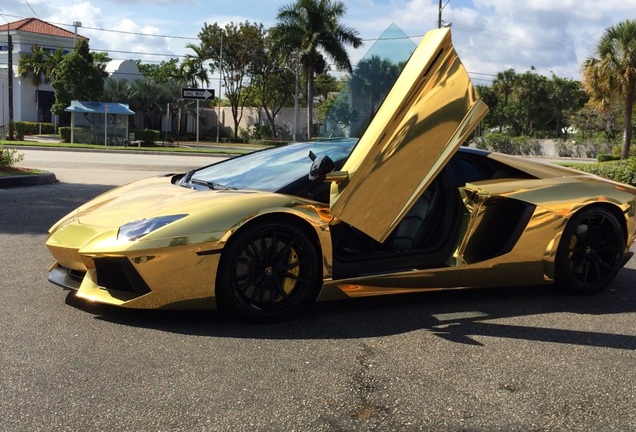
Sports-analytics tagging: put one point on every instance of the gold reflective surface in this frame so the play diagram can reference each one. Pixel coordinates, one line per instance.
(429, 113)
(426, 117)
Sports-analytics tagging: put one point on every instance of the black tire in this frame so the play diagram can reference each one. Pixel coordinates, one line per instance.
(268, 271)
(590, 252)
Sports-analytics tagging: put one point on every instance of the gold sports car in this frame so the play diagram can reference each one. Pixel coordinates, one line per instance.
(404, 208)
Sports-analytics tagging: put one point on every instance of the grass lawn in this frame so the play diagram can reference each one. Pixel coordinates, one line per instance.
(205, 147)
(16, 171)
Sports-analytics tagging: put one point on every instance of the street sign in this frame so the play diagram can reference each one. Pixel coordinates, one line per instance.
(196, 93)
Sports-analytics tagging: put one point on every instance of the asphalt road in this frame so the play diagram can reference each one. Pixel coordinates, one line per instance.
(479, 360)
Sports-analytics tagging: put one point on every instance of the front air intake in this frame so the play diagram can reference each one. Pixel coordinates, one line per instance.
(118, 274)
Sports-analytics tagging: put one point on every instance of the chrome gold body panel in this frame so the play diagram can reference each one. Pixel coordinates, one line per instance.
(430, 111)
(163, 242)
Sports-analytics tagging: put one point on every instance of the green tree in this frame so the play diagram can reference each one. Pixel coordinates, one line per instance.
(503, 85)
(337, 114)
(170, 94)
(117, 90)
(527, 105)
(489, 96)
(565, 98)
(272, 76)
(611, 76)
(160, 73)
(371, 82)
(231, 51)
(325, 85)
(193, 68)
(78, 77)
(35, 65)
(145, 97)
(308, 27)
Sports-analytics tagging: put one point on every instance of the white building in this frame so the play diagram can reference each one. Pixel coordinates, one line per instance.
(30, 103)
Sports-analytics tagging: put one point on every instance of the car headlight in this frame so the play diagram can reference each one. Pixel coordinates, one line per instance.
(135, 230)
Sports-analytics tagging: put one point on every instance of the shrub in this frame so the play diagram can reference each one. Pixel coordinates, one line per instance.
(501, 143)
(563, 150)
(23, 128)
(604, 157)
(80, 135)
(9, 156)
(272, 143)
(146, 136)
(618, 150)
(526, 146)
(623, 171)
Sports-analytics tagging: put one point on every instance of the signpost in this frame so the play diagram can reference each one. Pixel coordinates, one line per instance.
(106, 111)
(198, 94)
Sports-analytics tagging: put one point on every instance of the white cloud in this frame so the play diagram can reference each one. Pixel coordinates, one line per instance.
(490, 35)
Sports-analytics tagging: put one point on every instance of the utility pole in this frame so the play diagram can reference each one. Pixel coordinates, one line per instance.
(10, 75)
(76, 24)
(439, 12)
(297, 58)
(218, 113)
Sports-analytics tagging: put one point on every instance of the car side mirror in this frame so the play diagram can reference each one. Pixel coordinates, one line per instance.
(320, 166)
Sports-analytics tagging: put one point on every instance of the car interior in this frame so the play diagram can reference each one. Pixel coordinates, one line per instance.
(427, 235)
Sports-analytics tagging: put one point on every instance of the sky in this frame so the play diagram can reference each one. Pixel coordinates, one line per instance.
(490, 36)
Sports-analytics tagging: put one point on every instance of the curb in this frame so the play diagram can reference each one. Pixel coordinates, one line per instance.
(27, 180)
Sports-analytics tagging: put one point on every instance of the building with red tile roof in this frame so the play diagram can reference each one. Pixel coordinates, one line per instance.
(37, 26)
(30, 102)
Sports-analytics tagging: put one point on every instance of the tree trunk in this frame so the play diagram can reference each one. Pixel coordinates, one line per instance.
(627, 125)
(271, 119)
(310, 102)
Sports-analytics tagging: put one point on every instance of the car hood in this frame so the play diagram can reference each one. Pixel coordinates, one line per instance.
(144, 199)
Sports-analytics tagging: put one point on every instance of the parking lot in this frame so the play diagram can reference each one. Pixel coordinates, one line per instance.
(505, 359)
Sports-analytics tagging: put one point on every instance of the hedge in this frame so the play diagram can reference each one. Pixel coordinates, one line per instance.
(80, 134)
(503, 143)
(146, 136)
(23, 128)
(623, 171)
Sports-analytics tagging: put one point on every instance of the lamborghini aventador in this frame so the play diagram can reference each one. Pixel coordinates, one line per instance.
(403, 208)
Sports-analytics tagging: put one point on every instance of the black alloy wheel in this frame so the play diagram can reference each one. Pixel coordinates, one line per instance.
(590, 252)
(270, 271)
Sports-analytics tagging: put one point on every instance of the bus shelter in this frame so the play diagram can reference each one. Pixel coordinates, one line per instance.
(108, 119)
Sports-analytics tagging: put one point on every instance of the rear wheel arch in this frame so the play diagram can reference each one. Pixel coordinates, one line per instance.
(616, 211)
(591, 249)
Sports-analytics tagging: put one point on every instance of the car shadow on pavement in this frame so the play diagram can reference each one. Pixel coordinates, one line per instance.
(34, 209)
(460, 316)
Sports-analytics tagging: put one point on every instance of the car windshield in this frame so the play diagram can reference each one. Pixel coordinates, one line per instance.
(268, 170)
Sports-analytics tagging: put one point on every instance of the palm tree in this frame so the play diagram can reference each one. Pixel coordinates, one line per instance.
(144, 97)
(37, 66)
(612, 75)
(193, 67)
(308, 27)
(53, 59)
(117, 90)
(503, 85)
(373, 79)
